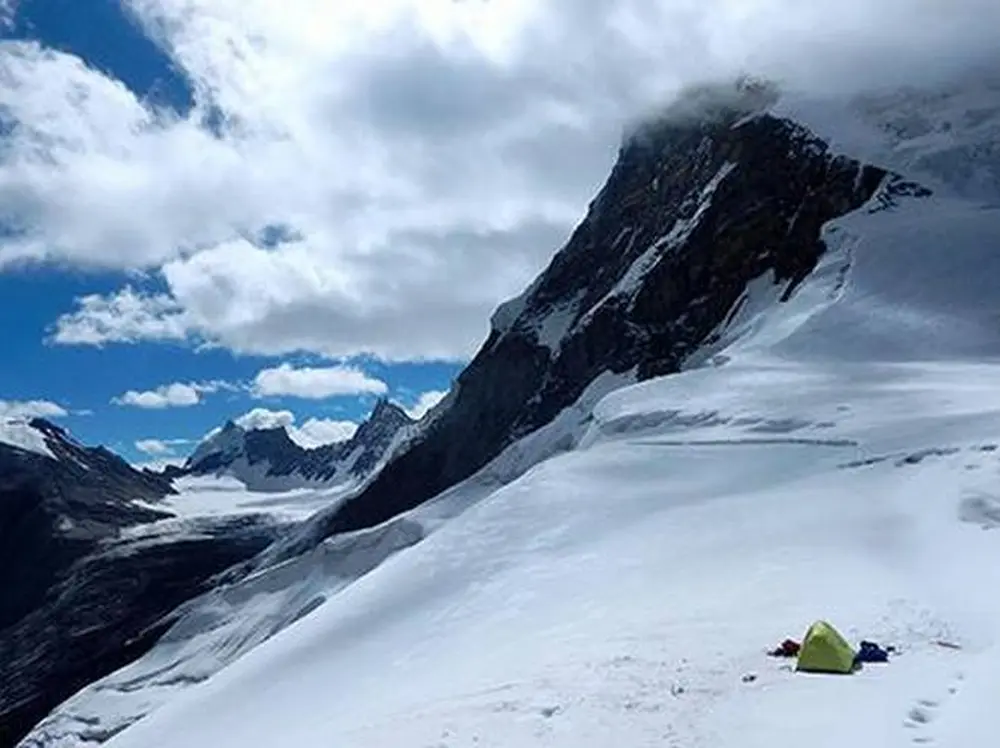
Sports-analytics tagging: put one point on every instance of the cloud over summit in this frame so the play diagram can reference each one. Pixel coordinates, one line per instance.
(426, 157)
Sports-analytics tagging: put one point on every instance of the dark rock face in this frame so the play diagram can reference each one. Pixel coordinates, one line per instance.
(694, 209)
(53, 510)
(281, 457)
(105, 611)
(79, 601)
(374, 437)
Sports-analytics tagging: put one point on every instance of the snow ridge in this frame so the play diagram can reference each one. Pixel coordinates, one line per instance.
(946, 137)
(829, 450)
(268, 460)
(19, 433)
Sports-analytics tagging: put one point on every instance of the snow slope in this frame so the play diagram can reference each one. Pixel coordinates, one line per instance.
(835, 456)
(19, 433)
(945, 135)
(216, 629)
(226, 495)
(622, 591)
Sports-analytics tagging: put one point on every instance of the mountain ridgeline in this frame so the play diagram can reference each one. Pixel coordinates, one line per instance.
(702, 201)
(79, 598)
(712, 195)
(269, 458)
(54, 508)
(92, 566)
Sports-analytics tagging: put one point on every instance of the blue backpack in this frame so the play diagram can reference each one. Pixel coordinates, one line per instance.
(871, 652)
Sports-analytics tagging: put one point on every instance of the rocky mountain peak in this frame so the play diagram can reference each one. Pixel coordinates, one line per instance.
(706, 197)
(78, 599)
(269, 459)
(707, 104)
(56, 501)
(49, 429)
(386, 415)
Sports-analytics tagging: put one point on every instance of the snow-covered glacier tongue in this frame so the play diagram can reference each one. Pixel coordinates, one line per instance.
(757, 387)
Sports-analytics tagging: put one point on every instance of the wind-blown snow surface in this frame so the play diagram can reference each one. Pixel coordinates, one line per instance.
(225, 495)
(18, 432)
(620, 592)
(836, 456)
(947, 136)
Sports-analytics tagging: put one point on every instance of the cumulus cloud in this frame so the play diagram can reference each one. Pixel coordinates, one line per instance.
(126, 316)
(174, 395)
(27, 409)
(313, 433)
(153, 447)
(315, 383)
(424, 403)
(428, 157)
(159, 447)
(263, 418)
(318, 431)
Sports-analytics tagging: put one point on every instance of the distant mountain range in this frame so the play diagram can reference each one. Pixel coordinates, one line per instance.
(92, 564)
(715, 206)
(268, 459)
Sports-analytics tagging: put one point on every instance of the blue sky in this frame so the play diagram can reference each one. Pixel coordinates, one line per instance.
(87, 381)
(212, 208)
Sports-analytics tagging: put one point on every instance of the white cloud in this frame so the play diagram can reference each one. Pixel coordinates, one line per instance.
(159, 447)
(174, 395)
(262, 418)
(313, 433)
(27, 409)
(316, 432)
(430, 156)
(153, 447)
(7, 10)
(123, 317)
(177, 395)
(315, 383)
(425, 402)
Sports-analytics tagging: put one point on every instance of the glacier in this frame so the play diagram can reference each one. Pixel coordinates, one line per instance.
(617, 575)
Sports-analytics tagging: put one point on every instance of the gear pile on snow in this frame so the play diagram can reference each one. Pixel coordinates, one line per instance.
(825, 650)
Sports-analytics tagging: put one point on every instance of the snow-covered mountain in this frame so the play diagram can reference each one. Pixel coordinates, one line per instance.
(268, 459)
(59, 495)
(94, 553)
(758, 386)
(84, 591)
(704, 200)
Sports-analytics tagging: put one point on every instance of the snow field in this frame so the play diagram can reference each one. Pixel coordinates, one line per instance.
(836, 457)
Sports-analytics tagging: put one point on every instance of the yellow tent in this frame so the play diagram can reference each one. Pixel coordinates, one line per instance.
(824, 650)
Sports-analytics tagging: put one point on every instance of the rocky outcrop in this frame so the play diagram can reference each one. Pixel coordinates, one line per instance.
(85, 588)
(714, 194)
(89, 581)
(55, 507)
(700, 202)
